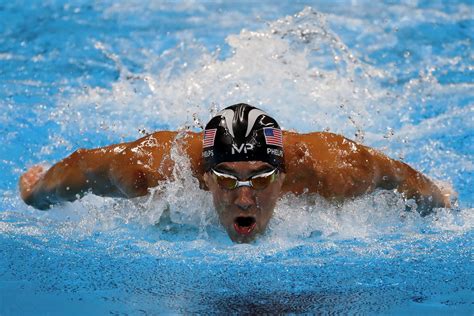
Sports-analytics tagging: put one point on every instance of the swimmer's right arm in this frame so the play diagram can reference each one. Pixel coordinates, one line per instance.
(124, 170)
(83, 171)
(67, 180)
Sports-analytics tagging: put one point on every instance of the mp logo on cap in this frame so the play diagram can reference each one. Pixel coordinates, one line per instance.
(244, 147)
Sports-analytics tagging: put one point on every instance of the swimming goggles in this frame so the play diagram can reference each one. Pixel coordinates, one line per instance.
(258, 182)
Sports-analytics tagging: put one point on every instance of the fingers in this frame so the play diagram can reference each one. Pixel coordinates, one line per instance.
(29, 179)
(32, 175)
(447, 200)
(449, 196)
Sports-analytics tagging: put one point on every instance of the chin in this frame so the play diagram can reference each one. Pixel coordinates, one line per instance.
(242, 239)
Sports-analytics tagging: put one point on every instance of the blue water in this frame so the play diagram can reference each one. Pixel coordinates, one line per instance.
(398, 76)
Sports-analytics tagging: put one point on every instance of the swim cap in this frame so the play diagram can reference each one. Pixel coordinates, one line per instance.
(242, 132)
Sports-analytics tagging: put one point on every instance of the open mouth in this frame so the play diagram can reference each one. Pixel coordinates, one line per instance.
(244, 225)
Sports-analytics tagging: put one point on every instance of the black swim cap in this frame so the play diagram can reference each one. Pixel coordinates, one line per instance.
(242, 132)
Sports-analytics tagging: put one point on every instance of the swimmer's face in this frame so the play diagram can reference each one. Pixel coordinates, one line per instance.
(244, 211)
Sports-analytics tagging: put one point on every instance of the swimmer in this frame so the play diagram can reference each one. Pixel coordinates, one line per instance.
(244, 159)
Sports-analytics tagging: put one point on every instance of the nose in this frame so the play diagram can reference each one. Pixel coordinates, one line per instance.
(245, 198)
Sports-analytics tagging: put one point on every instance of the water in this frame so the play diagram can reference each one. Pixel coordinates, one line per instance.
(395, 76)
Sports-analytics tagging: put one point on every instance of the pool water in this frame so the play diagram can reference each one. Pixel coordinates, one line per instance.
(397, 76)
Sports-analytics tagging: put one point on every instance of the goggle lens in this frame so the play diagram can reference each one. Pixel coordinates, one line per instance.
(263, 181)
(227, 183)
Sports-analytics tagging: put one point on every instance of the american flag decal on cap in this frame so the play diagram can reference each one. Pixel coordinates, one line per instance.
(273, 136)
(209, 136)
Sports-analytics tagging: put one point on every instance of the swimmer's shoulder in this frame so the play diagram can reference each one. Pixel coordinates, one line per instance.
(320, 139)
(172, 135)
(185, 142)
(324, 147)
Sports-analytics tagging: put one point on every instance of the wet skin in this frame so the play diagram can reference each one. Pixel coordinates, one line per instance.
(326, 164)
(244, 212)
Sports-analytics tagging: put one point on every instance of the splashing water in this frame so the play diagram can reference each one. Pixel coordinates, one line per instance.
(397, 77)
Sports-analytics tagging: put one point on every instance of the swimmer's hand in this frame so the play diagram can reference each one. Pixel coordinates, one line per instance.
(29, 180)
(449, 195)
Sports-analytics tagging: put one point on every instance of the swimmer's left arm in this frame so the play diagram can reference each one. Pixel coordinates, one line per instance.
(369, 169)
(338, 168)
(394, 174)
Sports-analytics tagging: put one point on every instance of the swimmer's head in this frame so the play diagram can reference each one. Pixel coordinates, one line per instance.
(242, 132)
(244, 169)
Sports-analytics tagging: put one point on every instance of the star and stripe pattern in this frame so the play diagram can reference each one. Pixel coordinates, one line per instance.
(273, 136)
(209, 136)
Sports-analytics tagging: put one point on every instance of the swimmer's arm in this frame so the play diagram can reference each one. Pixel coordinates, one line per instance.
(338, 168)
(393, 174)
(83, 171)
(114, 171)
(67, 180)
(370, 169)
